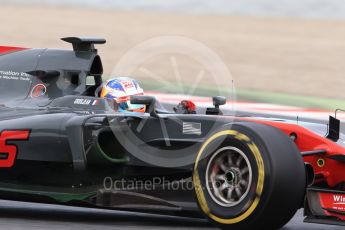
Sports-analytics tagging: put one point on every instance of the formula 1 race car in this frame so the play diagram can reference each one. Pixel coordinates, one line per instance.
(62, 144)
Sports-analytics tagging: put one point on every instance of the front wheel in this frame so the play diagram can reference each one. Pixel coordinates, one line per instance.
(249, 176)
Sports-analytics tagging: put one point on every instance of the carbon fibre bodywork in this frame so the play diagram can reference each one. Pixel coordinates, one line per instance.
(60, 143)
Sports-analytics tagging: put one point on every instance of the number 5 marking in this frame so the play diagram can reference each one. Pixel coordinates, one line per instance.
(11, 150)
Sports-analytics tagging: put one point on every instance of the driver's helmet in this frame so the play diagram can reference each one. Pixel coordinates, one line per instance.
(120, 89)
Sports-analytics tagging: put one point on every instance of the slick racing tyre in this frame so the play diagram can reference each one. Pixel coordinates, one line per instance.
(249, 176)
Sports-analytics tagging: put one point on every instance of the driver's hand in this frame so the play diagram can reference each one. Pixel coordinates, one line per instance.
(185, 107)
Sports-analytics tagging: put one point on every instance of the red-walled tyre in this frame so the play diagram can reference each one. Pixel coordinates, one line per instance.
(249, 176)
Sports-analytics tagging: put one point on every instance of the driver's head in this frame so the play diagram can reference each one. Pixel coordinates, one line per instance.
(120, 89)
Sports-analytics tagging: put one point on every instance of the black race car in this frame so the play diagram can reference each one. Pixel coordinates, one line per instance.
(61, 143)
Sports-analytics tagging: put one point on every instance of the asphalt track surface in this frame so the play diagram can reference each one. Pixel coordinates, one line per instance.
(23, 215)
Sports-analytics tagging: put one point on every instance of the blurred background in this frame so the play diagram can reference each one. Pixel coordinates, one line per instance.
(288, 52)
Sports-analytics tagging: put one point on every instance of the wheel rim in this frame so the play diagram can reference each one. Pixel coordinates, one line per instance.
(228, 176)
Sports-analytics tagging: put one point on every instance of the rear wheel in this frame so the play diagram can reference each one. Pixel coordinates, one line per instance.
(249, 176)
